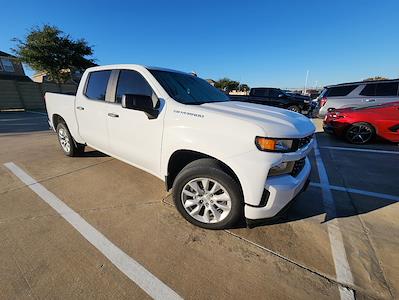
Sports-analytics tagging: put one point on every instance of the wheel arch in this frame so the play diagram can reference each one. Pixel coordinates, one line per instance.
(374, 128)
(181, 158)
(56, 119)
(366, 122)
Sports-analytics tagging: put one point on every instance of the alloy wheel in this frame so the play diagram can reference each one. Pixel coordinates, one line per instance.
(206, 200)
(64, 140)
(359, 134)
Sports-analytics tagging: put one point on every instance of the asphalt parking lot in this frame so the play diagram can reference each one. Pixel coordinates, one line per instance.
(338, 239)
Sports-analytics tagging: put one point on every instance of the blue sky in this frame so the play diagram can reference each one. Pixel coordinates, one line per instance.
(262, 43)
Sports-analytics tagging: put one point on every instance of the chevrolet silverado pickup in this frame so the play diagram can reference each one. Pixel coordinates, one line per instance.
(223, 160)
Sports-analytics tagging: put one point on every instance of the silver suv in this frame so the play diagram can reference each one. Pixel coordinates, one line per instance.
(357, 94)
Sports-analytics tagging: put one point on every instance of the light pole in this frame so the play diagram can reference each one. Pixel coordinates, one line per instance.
(306, 81)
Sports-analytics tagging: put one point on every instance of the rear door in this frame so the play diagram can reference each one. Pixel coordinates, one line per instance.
(379, 93)
(274, 98)
(260, 96)
(91, 110)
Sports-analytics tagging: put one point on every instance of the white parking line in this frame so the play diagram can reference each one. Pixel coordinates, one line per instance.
(127, 265)
(342, 268)
(360, 150)
(357, 191)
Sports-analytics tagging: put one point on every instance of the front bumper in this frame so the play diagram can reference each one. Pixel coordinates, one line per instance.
(283, 190)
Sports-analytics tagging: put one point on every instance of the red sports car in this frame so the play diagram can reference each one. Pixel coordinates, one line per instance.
(361, 125)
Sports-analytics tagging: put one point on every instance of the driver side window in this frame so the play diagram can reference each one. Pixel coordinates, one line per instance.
(131, 82)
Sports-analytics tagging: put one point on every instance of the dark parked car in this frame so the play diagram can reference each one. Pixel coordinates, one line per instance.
(276, 97)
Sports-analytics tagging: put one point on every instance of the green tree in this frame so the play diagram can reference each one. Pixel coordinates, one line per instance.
(375, 78)
(227, 84)
(244, 87)
(48, 49)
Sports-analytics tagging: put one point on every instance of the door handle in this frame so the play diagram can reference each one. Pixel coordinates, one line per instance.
(113, 115)
(370, 100)
(80, 108)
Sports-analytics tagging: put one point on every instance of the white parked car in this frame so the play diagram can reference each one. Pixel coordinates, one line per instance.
(223, 159)
(357, 94)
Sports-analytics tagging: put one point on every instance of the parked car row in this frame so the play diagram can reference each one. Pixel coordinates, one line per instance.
(362, 124)
(276, 97)
(357, 94)
(361, 111)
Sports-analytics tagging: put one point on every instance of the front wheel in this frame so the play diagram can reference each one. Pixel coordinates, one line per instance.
(294, 108)
(67, 143)
(207, 196)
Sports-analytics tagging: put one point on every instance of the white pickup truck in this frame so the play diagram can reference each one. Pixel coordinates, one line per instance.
(224, 160)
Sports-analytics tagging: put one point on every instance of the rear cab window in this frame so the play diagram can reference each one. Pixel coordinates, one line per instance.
(339, 91)
(97, 83)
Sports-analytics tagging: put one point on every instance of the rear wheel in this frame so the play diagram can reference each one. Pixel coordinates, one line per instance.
(294, 108)
(207, 196)
(360, 133)
(67, 143)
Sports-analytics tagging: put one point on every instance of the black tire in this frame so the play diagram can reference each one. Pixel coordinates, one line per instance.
(360, 133)
(294, 108)
(212, 170)
(64, 136)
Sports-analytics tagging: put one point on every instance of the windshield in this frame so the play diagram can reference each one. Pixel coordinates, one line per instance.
(188, 89)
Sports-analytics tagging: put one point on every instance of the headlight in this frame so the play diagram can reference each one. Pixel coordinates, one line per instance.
(273, 145)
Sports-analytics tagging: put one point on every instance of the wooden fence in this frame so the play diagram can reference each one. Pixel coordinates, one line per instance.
(29, 95)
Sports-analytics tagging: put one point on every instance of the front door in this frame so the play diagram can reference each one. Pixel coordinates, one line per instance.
(134, 137)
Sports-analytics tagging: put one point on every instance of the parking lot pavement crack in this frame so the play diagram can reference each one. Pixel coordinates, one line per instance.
(297, 264)
(364, 228)
(30, 218)
(307, 269)
(23, 276)
(58, 175)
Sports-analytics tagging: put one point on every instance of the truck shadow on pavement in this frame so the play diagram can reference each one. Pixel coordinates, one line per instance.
(310, 204)
(93, 153)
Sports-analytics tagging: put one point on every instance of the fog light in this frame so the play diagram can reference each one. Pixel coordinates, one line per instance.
(282, 168)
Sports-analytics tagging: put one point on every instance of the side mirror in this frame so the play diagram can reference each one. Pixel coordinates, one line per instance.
(140, 102)
(280, 95)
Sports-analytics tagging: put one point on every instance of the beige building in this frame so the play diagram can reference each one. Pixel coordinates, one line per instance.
(74, 77)
(11, 68)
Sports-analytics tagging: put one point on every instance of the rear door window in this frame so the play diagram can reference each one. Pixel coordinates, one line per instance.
(368, 90)
(275, 93)
(260, 92)
(97, 85)
(339, 91)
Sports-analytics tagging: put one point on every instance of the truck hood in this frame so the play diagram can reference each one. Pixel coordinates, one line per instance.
(276, 122)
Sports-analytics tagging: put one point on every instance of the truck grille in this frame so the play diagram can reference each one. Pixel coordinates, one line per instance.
(298, 167)
(304, 141)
